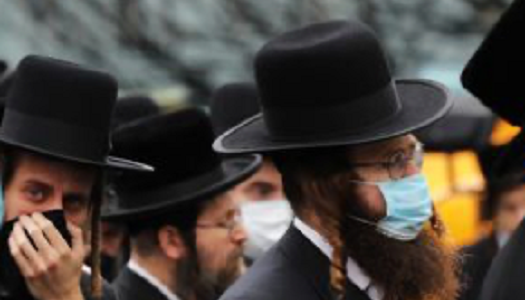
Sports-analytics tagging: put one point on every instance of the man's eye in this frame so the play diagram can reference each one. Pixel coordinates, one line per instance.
(74, 204)
(265, 189)
(35, 194)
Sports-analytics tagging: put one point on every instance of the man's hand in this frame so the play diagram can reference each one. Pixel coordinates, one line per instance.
(52, 269)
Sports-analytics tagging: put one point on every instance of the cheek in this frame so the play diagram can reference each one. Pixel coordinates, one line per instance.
(79, 218)
(212, 251)
(371, 202)
(14, 207)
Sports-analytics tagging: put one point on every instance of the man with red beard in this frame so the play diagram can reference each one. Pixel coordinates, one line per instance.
(186, 236)
(338, 128)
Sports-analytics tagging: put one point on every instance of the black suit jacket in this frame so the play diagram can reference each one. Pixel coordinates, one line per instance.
(130, 286)
(505, 279)
(477, 259)
(292, 269)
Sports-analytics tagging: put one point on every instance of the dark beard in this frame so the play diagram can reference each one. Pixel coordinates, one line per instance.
(195, 281)
(420, 269)
(186, 277)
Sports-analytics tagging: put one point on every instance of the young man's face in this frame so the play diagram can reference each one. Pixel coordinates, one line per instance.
(38, 184)
(511, 210)
(220, 240)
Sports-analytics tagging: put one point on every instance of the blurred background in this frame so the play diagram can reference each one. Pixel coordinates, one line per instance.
(178, 51)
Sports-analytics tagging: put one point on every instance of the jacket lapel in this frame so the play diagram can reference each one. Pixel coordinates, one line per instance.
(313, 265)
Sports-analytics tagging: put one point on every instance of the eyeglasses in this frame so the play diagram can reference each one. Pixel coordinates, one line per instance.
(231, 224)
(398, 164)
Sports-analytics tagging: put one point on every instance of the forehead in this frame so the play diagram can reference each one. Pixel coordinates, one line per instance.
(267, 173)
(218, 207)
(383, 148)
(30, 166)
(516, 194)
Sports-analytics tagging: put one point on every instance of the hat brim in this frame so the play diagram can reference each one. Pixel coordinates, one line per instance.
(423, 102)
(235, 170)
(110, 162)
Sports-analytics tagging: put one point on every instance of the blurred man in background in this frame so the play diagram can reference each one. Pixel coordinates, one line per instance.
(492, 75)
(505, 203)
(114, 249)
(265, 210)
(186, 235)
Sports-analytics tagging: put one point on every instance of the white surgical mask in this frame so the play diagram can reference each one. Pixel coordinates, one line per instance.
(265, 223)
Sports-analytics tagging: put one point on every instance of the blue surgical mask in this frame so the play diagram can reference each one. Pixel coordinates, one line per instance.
(408, 207)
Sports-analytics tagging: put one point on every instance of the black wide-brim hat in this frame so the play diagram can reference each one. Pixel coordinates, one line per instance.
(493, 73)
(233, 103)
(62, 110)
(131, 108)
(329, 84)
(187, 169)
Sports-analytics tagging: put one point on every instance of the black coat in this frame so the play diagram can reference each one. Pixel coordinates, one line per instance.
(477, 259)
(504, 281)
(293, 269)
(130, 286)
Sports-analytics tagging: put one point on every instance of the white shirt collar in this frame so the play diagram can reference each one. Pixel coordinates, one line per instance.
(354, 273)
(142, 272)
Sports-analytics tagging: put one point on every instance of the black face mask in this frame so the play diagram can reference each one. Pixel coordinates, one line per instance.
(12, 283)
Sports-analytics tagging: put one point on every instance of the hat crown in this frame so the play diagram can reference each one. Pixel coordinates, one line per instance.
(321, 65)
(177, 145)
(334, 73)
(233, 103)
(132, 108)
(61, 109)
(63, 91)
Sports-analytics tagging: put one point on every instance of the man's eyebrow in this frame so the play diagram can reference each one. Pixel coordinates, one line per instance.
(77, 196)
(393, 149)
(39, 183)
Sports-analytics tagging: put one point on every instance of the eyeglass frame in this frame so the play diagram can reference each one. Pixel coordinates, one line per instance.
(235, 224)
(416, 156)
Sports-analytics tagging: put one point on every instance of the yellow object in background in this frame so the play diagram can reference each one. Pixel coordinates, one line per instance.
(503, 133)
(455, 182)
(460, 213)
(437, 172)
(467, 175)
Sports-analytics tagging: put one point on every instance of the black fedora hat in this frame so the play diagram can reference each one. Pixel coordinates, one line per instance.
(233, 103)
(328, 84)
(187, 169)
(132, 108)
(493, 72)
(62, 110)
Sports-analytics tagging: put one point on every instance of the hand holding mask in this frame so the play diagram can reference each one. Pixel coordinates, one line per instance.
(32, 236)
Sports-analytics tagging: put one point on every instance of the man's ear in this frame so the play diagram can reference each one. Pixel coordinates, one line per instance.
(171, 242)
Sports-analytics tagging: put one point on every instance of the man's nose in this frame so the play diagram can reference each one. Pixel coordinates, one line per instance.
(239, 235)
(521, 213)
